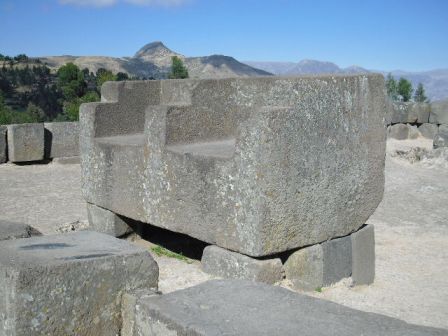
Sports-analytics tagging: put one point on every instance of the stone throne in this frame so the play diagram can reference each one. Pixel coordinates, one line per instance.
(257, 166)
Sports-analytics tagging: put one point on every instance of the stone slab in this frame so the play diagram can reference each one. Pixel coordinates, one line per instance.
(441, 138)
(69, 284)
(105, 221)
(363, 255)
(232, 265)
(238, 307)
(25, 142)
(439, 112)
(10, 230)
(210, 158)
(61, 139)
(3, 150)
(337, 256)
(428, 130)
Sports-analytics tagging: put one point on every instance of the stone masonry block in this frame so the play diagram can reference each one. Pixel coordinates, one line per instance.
(320, 265)
(428, 130)
(61, 139)
(105, 221)
(10, 230)
(441, 138)
(3, 150)
(410, 112)
(252, 165)
(363, 255)
(439, 112)
(25, 142)
(245, 308)
(69, 284)
(232, 265)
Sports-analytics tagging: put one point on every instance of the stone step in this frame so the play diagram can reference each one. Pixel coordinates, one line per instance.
(239, 307)
(69, 284)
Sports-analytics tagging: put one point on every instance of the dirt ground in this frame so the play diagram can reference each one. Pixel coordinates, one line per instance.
(411, 228)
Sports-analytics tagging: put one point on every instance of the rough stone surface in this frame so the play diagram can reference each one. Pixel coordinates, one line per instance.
(403, 131)
(441, 138)
(363, 255)
(61, 139)
(105, 221)
(3, 150)
(428, 130)
(410, 112)
(252, 165)
(320, 265)
(10, 230)
(337, 256)
(238, 307)
(439, 112)
(69, 284)
(25, 142)
(232, 265)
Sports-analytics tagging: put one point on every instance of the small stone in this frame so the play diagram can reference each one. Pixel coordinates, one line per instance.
(10, 230)
(363, 255)
(441, 138)
(105, 221)
(337, 255)
(232, 265)
(25, 142)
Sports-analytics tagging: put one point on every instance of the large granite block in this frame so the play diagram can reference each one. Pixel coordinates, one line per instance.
(61, 139)
(403, 132)
(428, 130)
(410, 112)
(25, 142)
(232, 265)
(363, 255)
(10, 230)
(69, 284)
(254, 165)
(244, 308)
(439, 112)
(105, 221)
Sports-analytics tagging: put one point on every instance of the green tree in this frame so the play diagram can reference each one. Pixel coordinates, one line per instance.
(71, 81)
(178, 69)
(35, 113)
(121, 76)
(391, 87)
(102, 76)
(404, 89)
(419, 95)
(71, 108)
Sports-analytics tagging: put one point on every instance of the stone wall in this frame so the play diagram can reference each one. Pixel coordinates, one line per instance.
(409, 120)
(39, 141)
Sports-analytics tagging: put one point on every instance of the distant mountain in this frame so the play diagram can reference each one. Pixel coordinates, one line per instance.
(434, 81)
(154, 61)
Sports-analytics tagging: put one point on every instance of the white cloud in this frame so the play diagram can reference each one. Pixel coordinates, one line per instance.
(105, 3)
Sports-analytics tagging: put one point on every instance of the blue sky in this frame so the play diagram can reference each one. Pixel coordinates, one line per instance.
(386, 35)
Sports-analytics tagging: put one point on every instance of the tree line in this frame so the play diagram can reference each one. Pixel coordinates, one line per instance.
(402, 90)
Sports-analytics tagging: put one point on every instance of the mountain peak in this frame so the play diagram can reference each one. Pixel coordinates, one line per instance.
(154, 49)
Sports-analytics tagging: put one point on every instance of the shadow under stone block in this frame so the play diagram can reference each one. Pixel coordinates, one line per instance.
(3, 147)
(25, 142)
(69, 284)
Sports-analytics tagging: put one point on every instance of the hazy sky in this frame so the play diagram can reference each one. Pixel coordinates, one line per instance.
(376, 34)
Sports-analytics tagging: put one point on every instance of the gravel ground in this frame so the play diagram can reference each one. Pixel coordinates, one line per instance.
(411, 227)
